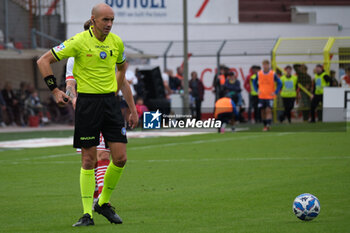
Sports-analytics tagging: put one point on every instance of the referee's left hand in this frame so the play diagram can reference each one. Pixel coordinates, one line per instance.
(133, 119)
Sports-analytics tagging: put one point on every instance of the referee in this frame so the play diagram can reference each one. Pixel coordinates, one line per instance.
(96, 52)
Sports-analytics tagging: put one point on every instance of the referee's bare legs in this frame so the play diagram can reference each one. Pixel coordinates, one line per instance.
(118, 151)
(88, 157)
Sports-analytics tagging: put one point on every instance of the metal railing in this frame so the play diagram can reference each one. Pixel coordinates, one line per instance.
(35, 33)
(202, 48)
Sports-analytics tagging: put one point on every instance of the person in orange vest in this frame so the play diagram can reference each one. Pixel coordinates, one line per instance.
(264, 85)
(225, 111)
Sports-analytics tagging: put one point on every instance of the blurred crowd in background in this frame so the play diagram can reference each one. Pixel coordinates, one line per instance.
(22, 106)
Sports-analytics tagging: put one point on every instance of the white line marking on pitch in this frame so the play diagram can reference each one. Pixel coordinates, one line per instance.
(52, 142)
(155, 146)
(189, 160)
(202, 141)
(46, 157)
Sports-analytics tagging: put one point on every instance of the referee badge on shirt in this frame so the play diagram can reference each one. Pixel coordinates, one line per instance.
(103, 55)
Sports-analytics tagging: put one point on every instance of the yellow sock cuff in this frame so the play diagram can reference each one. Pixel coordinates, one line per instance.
(87, 171)
(116, 168)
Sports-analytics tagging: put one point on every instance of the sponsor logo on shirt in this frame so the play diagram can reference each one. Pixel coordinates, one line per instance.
(102, 46)
(59, 47)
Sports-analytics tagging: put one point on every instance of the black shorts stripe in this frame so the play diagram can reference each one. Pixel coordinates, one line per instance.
(53, 52)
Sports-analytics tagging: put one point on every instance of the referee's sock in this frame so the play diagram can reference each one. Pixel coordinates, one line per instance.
(111, 180)
(87, 187)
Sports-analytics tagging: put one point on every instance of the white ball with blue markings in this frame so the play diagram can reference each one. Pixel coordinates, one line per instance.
(306, 207)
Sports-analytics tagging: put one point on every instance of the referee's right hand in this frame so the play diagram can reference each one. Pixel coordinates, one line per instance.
(60, 97)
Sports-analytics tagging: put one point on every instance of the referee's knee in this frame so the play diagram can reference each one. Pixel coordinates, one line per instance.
(88, 162)
(121, 160)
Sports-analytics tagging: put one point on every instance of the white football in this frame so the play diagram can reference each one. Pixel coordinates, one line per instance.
(306, 207)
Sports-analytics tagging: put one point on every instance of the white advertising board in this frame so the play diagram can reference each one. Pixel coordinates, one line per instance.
(158, 11)
(334, 104)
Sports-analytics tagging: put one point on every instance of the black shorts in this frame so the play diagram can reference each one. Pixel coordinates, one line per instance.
(97, 113)
(265, 103)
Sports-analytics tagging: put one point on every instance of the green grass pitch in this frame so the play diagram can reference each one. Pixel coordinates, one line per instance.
(241, 182)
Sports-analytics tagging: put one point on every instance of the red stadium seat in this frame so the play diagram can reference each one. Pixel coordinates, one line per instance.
(278, 10)
(18, 45)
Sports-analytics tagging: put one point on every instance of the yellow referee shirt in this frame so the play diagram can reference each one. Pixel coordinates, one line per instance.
(94, 61)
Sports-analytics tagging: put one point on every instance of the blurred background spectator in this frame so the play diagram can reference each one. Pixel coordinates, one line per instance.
(197, 95)
(35, 109)
(12, 105)
(232, 88)
(139, 87)
(165, 78)
(334, 81)
(253, 95)
(305, 80)
(141, 108)
(22, 94)
(2, 110)
(131, 78)
(345, 80)
(179, 73)
(288, 93)
(174, 82)
(219, 82)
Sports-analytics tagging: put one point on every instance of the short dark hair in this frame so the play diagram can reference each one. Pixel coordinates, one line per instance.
(288, 67)
(87, 24)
